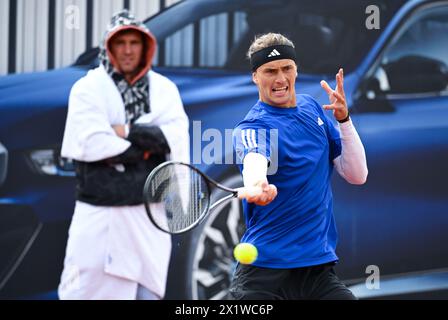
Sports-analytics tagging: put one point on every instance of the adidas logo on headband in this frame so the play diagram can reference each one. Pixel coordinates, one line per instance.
(274, 53)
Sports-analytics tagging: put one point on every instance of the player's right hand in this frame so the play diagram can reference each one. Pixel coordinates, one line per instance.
(268, 194)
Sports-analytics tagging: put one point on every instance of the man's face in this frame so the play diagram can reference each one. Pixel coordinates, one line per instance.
(276, 82)
(127, 49)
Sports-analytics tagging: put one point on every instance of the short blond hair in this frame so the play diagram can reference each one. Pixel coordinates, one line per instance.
(267, 40)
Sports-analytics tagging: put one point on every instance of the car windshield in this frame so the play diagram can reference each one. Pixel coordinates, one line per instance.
(217, 34)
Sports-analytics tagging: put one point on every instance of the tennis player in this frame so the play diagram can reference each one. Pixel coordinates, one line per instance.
(123, 120)
(294, 230)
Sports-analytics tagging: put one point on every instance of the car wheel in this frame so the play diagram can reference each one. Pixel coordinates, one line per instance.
(212, 261)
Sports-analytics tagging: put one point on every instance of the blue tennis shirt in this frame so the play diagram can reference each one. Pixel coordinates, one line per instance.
(297, 229)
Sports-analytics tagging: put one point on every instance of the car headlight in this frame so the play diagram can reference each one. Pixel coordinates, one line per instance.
(50, 162)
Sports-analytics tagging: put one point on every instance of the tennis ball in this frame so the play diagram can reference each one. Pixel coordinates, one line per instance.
(245, 253)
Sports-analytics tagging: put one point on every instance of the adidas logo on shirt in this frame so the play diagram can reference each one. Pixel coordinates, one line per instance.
(249, 139)
(274, 53)
(319, 121)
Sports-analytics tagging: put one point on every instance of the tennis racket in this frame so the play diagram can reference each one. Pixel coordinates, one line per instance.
(177, 196)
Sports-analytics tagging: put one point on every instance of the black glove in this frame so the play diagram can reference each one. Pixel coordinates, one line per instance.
(132, 154)
(149, 138)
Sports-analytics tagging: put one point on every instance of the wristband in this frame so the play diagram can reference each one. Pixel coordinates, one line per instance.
(345, 119)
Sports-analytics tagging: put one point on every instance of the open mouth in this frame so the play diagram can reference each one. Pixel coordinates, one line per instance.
(280, 90)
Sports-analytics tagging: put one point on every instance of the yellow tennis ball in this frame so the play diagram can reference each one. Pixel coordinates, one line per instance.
(245, 253)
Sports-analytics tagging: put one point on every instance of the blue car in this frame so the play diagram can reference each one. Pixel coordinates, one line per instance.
(393, 229)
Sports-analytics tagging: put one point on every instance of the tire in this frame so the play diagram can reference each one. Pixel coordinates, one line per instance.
(212, 261)
(201, 267)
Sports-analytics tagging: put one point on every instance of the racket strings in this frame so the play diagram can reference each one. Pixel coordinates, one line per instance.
(178, 197)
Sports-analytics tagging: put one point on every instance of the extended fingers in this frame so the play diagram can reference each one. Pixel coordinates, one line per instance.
(339, 97)
(340, 82)
(334, 106)
(329, 106)
(338, 104)
(326, 87)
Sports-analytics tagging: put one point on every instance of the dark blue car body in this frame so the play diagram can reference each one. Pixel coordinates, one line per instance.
(397, 221)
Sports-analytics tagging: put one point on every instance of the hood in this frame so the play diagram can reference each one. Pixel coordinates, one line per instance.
(126, 21)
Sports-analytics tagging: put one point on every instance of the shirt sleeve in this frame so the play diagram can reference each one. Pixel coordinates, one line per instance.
(255, 169)
(88, 135)
(251, 137)
(352, 163)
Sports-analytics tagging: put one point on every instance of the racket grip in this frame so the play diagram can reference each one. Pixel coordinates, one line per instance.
(249, 192)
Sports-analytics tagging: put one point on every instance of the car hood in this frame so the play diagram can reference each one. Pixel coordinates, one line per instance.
(215, 97)
(22, 96)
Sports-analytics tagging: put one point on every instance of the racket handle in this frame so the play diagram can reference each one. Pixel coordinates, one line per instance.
(248, 192)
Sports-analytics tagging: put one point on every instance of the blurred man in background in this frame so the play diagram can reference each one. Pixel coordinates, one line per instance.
(123, 120)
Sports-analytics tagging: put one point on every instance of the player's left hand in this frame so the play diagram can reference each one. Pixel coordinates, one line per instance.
(337, 97)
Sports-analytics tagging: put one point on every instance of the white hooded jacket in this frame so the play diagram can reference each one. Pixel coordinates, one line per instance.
(116, 241)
